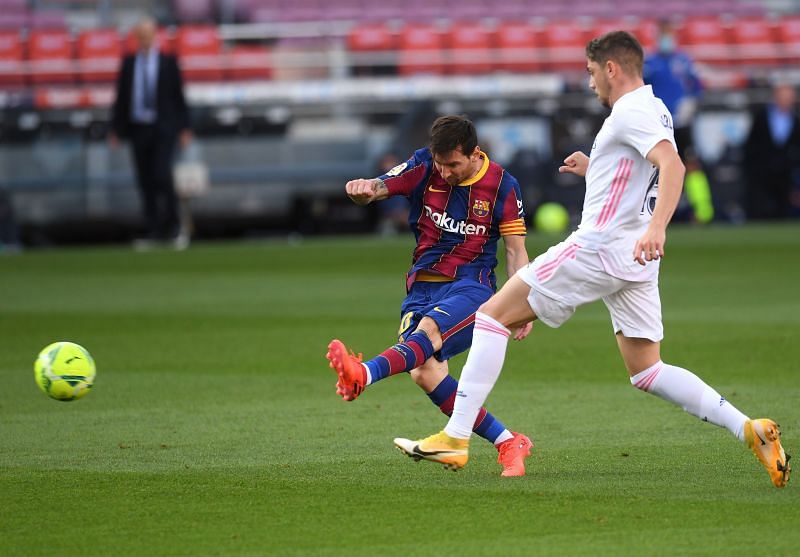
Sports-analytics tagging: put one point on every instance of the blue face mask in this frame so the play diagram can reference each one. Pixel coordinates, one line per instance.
(666, 44)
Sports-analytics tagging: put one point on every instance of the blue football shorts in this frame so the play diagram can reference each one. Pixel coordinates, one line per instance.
(452, 305)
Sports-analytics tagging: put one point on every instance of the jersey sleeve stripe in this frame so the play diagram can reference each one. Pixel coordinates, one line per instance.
(514, 227)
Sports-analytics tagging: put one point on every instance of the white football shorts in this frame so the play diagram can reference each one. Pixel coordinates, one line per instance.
(567, 276)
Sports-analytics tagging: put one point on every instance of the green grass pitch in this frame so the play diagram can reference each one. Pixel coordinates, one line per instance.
(214, 428)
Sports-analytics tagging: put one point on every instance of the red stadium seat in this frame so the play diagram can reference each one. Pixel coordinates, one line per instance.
(420, 50)
(646, 32)
(565, 42)
(50, 57)
(788, 35)
(371, 37)
(164, 38)
(471, 46)
(706, 39)
(199, 50)
(755, 41)
(518, 48)
(98, 53)
(374, 46)
(603, 26)
(12, 63)
(249, 62)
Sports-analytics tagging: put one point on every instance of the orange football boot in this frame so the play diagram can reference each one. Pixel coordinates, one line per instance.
(513, 453)
(763, 436)
(352, 375)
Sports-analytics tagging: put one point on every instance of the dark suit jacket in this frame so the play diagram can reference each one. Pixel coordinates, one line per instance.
(763, 156)
(770, 170)
(173, 114)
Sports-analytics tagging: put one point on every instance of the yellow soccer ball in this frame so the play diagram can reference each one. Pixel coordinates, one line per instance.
(551, 218)
(64, 371)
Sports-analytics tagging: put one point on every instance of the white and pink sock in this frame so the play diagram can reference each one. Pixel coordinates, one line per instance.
(683, 388)
(480, 373)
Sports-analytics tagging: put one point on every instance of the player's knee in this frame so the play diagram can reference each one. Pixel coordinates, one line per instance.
(424, 377)
(430, 374)
(495, 311)
(431, 330)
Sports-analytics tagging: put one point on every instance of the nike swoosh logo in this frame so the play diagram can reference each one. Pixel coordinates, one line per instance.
(420, 452)
(763, 442)
(441, 311)
(431, 188)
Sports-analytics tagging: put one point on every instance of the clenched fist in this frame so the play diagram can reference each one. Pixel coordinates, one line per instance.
(361, 191)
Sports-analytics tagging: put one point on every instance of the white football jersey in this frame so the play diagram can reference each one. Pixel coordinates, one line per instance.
(622, 185)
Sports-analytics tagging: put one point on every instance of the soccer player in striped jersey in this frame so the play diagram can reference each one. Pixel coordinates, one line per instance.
(634, 178)
(461, 204)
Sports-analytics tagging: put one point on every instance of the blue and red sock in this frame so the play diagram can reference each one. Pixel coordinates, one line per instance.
(403, 356)
(444, 396)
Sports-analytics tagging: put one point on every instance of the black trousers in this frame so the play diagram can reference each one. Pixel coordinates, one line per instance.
(153, 151)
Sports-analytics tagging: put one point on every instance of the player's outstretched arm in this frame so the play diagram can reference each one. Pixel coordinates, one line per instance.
(363, 191)
(577, 163)
(670, 183)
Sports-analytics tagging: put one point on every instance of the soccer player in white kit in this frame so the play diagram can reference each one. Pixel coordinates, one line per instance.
(633, 183)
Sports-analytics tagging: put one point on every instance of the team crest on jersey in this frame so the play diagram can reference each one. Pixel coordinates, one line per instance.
(397, 169)
(480, 208)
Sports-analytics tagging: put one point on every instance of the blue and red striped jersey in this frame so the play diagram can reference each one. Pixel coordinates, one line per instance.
(457, 227)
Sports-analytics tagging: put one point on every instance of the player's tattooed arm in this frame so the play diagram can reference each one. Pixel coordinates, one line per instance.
(381, 191)
(363, 191)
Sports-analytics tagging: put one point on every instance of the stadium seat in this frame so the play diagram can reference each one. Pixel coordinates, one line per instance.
(50, 57)
(518, 48)
(164, 38)
(12, 65)
(788, 35)
(423, 11)
(706, 39)
(565, 43)
(263, 14)
(303, 10)
(384, 12)
(199, 50)
(374, 46)
(345, 10)
(511, 10)
(470, 10)
(248, 62)
(420, 50)
(471, 46)
(98, 54)
(603, 26)
(647, 33)
(755, 41)
(50, 19)
(194, 11)
(13, 21)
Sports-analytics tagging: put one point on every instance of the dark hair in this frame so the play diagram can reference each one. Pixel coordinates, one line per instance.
(620, 47)
(449, 133)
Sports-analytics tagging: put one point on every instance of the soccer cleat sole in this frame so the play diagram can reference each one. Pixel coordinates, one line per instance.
(763, 433)
(417, 457)
(784, 468)
(337, 363)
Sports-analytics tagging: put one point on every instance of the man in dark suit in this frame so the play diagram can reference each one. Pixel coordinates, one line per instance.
(150, 110)
(772, 157)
